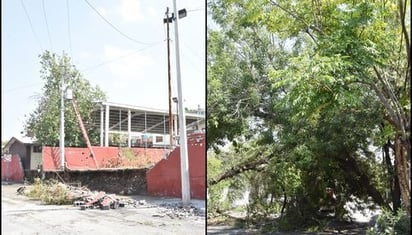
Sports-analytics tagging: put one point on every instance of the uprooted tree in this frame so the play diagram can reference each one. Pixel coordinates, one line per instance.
(44, 122)
(316, 86)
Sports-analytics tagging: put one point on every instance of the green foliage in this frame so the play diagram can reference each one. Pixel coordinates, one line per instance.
(117, 139)
(316, 84)
(215, 193)
(44, 121)
(50, 192)
(388, 223)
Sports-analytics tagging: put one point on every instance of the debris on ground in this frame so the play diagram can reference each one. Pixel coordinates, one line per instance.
(177, 211)
(86, 199)
(20, 190)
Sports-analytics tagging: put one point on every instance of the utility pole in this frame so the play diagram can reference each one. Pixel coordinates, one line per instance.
(62, 122)
(184, 162)
(168, 20)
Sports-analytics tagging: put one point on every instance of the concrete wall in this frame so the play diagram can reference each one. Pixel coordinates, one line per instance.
(105, 157)
(123, 182)
(164, 179)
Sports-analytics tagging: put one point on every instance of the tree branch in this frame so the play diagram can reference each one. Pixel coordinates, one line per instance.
(246, 166)
(402, 12)
(297, 17)
(400, 117)
(385, 103)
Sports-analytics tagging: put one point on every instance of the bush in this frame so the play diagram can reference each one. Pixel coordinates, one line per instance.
(50, 192)
(390, 224)
(37, 189)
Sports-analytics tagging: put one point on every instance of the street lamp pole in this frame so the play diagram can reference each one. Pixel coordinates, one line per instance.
(184, 166)
(62, 124)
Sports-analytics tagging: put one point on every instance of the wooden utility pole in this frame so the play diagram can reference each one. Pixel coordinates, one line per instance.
(168, 20)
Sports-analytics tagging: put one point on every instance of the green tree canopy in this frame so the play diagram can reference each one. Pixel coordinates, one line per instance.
(317, 84)
(44, 122)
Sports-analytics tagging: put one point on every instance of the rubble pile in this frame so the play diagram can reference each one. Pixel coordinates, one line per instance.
(98, 200)
(177, 211)
(137, 203)
(84, 198)
(125, 182)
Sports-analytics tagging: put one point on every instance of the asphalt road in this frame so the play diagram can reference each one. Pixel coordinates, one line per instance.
(20, 215)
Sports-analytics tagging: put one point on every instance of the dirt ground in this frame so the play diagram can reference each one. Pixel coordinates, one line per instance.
(21, 215)
(221, 226)
(231, 231)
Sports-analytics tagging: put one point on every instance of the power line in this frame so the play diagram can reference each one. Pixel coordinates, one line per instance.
(193, 51)
(114, 27)
(89, 68)
(47, 25)
(22, 87)
(120, 57)
(197, 9)
(31, 25)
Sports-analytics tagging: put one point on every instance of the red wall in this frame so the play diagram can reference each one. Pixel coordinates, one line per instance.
(12, 168)
(164, 179)
(106, 157)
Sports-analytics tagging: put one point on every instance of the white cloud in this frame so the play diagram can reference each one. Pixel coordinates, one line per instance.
(130, 10)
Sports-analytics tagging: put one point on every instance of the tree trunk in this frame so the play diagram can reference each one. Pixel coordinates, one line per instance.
(350, 167)
(401, 170)
(396, 194)
(285, 199)
(393, 179)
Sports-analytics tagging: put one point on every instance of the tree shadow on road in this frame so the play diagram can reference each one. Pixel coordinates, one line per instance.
(230, 225)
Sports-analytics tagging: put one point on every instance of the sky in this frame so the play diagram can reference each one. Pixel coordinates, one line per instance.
(130, 66)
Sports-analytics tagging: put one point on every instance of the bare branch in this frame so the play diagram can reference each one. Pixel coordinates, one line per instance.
(388, 107)
(402, 12)
(400, 116)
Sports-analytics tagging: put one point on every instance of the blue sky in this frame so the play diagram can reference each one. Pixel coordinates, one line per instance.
(129, 72)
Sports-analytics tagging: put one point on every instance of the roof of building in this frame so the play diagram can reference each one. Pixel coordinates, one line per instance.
(142, 118)
(22, 139)
(149, 110)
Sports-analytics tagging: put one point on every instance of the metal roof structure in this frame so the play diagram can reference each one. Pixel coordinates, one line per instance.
(135, 121)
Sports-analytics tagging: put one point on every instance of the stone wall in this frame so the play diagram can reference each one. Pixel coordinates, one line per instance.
(123, 182)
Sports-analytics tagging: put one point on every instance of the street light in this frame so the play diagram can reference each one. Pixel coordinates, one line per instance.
(182, 13)
(184, 166)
